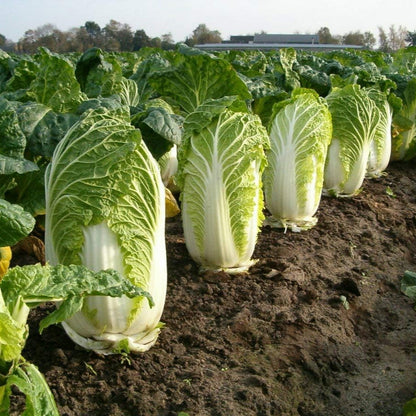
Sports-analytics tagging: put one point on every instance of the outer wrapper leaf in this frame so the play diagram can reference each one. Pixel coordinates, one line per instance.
(37, 284)
(55, 84)
(12, 335)
(160, 128)
(405, 122)
(98, 74)
(15, 223)
(39, 398)
(196, 79)
(380, 150)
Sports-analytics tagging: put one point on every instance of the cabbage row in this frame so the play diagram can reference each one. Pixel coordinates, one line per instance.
(43, 95)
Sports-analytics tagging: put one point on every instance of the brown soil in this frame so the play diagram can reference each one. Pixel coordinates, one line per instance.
(276, 341)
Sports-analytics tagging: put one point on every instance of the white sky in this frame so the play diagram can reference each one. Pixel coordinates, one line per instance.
(229, 17)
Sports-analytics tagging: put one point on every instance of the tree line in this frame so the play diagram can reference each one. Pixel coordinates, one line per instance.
(113, 37)
(388, 41)
(119, 37)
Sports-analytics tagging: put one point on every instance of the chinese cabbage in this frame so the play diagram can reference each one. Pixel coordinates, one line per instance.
(355, 118)
(220, 167)
(105, 208)
(300, 132)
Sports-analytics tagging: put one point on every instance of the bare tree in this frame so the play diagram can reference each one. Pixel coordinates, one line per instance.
(47, 35)
(397, 37)
(393, 40)
(45, 30)
(28, 44)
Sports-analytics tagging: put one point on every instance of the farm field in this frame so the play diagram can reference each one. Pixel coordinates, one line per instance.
(275, 341)
(92, 147)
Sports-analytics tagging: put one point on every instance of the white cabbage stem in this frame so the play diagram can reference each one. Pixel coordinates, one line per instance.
(105, 321)
(169, 165)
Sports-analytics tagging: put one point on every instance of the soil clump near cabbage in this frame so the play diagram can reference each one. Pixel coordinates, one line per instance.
(318, 327)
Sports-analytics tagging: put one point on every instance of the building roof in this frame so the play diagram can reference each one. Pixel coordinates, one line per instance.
(273, 46)
(265, 41)
(282, 38)
(240, 39)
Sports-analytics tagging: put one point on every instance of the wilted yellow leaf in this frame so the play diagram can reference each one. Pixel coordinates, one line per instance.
(5, 257)
(172, 207)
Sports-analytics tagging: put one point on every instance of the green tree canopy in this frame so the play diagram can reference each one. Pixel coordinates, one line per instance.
(325, 36)
(366, 39)
(140, 40)
(203, 35)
